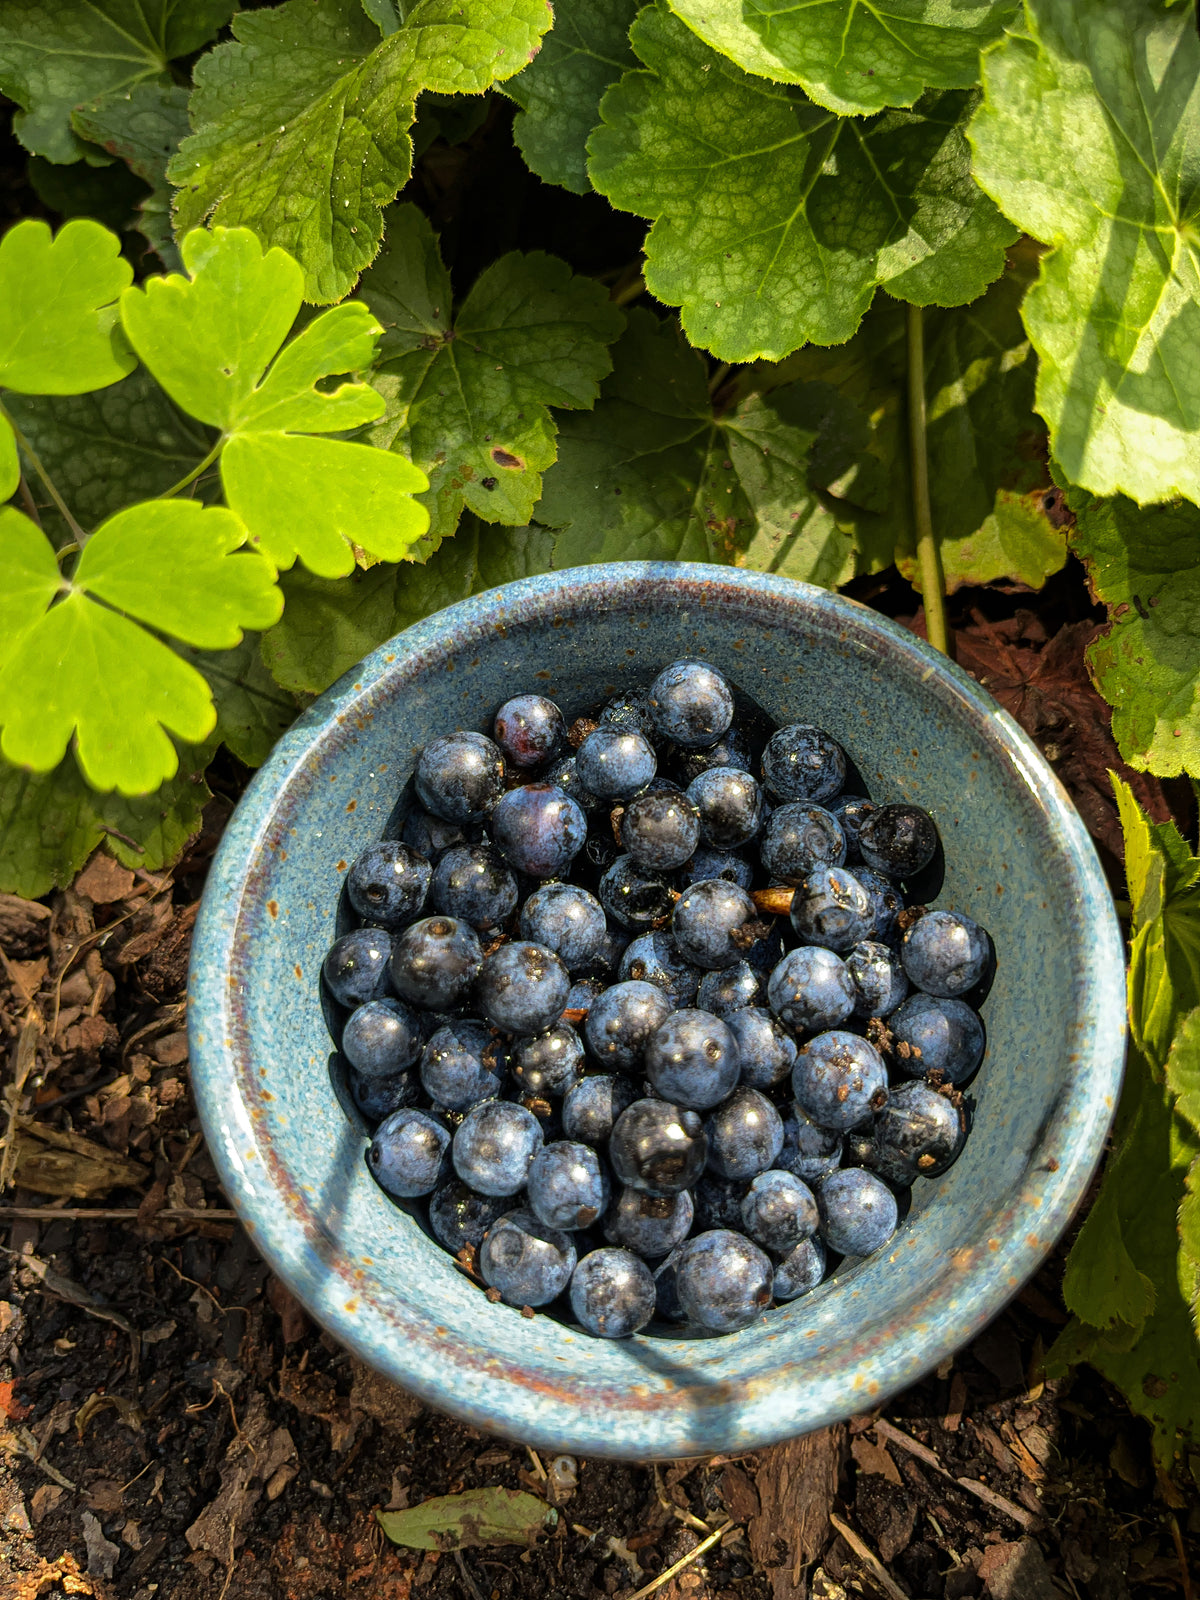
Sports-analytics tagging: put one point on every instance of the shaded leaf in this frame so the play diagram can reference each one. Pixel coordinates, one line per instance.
(108, 194)
(252, 711)
(142, 127)
(474, 1517)
(58, 312)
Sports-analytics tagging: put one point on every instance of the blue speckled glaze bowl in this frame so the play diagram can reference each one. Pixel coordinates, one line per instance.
(1017, 858)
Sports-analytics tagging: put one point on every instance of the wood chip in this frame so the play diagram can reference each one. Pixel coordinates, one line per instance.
(875, 1460)
(796, 1484)
(981, 1491)
(104, 880)
(869, 1559)
(952, 1421)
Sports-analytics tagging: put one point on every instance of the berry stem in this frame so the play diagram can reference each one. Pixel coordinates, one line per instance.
(31, 456)
(929, 560)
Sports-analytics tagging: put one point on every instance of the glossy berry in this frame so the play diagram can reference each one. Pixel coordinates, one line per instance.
(691, 703)
(810, 989)
(567, 1186)
(809, 1152)
(649, 1225)
(356, 967)
(723, 1280)
(538, 829)
(899, 840)
(718, 1202)
(658, 1148)
(799, 837)
(388, 883)
(660, 829)
(628, 710)
(460, 1215)
(935, 1035)
(612, 1294)
(945, 954)
(745, 1135)
(858, 1212)
(732, 749)
(831, 908)
(766, 1050)
(583, 994)
(714, 924)
(917, 1134)
(779, 1210)
(460, 777)
(550, 1063)
(434, 963)
(430, 836)
(615, 763)
(803, 763)
(839, 1079)
(564, 775)
(522, 988)
(635, 896)
(567, 920)
(530, 730)
(463, 1064)
(378, 1097)
(493, 1146)
(729, 804)
(730, 989)
(800, 1271)
(653, 958)
(851, 811)
(593, 1105)
(408, 1153)
(889, 903)
(473, 884)
(692, 1060)
(878, 978)
(381, 1037)
(622, 1021)
(530, 1263)
(707, 864)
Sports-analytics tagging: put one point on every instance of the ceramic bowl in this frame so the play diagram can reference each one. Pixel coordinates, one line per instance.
(1017, 858)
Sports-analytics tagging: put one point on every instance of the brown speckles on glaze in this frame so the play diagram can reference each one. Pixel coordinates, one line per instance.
(273, 908)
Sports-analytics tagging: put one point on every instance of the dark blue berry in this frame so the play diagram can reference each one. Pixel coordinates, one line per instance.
(899, 840)
(408, 1153)
(653, 958)
(889, 903)
(648, 1224)
(583, 993)
(839, 1079)
(779, 1210)
(567, 920)
(567, 1186)
(732, 749)
(460, 777)
(530, 1263)
(615, 763)
(472, 883)
(858, 1211)
(714, 924)
(658, 1148)
(692, 1060)
(460, 1215)
(766, 1050)
(612, 1294)
(851, 811)
(493, 1146)
(811, 989)
(549, 1063)
(530, 730)
(809, 1152)
(660, 829)
(745, 1135)
(878, 979)
(634, 896)
(538, 829)
(718, 1201)
(936, 1035)
(434, 963)
(378, 1097)
(799, 837)
(803, 763)
(592, 1107)
(463, 1064)
(731, 989)
(917, 1134)
(945, 954)
(356, 967)
(707, 864)
(730, 806)
(630, 712)
(691, 703)
(723, 1280)
(430, 836)
(522, 988)
(388, 883)
(564, 775)
(831, 908)
(381, 1037)
(622, 1021)
(800, 1271)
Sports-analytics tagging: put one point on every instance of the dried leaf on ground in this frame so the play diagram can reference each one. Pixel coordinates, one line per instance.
(257, 1453)
(104, 880)
(51, 1161)
(102, 1553)
(475, 1517)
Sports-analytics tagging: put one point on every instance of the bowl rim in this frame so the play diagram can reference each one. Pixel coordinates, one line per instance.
(1032, 1225)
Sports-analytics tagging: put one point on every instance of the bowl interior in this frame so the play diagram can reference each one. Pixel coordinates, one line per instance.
(1017, 859)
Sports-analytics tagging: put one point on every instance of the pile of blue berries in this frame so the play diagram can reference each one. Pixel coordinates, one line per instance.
(644, 1030)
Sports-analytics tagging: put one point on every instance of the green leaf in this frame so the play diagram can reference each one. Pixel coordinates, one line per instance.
(468, 393)
(209, 339)
(302, 120)
(51, 822)
(777, 230)
(559, 91)
(1087, 140)
(10, 466)
(252, 711)
(108, 194)
(78, 668)
(1145, 566)
(856, 58)
(474, 1517)
(54, 57)
(58, 313)
(142, 127)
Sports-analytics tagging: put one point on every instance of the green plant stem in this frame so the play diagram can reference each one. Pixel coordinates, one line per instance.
(169, 494)
(719, 376)
(31, 456)
(628, 292)
(929, 560)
